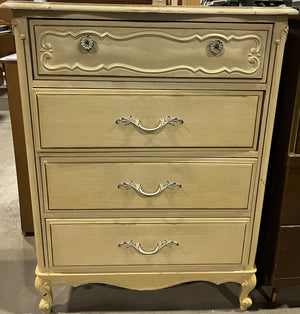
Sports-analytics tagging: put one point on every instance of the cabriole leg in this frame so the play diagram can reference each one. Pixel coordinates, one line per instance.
(246, 287)
(44, 288)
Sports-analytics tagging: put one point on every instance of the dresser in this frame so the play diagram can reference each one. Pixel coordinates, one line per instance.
(148, 132)
(278, 256)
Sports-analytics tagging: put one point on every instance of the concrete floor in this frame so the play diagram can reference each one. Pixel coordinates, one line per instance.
(17, 264)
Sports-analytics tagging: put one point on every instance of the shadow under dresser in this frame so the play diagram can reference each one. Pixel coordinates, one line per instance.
(148, 132)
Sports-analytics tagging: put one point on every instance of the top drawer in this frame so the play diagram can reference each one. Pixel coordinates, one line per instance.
(141, 49)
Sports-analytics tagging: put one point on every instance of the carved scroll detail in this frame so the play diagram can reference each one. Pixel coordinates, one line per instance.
(246, 287)
(47, 52)
(44, 288)
(283, 36)
(16, 27)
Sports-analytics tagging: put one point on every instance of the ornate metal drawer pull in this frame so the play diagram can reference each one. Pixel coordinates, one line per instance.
(159, 246)
(138, 124)
(87, 42)
(138, 187)
(216, 46)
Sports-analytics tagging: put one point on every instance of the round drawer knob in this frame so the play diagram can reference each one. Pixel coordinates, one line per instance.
(87, 42)
(216, 46)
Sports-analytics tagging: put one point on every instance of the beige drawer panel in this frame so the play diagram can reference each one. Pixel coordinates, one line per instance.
(85, 184)
(192, 50)
(95, 242)
(77, 119)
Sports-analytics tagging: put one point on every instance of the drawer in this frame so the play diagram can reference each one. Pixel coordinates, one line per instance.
(288, 256)
(141, 49)
(162, 242)
(89, 184)
(290, 206)
(108, 119)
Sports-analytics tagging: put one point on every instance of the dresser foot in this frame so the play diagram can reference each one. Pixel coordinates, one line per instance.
(247, 286)
(274, 295)
(44, 288)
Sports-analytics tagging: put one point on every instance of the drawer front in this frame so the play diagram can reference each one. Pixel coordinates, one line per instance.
(87, 119)
(83, 243)
(288, 255)
(192, 50)
(290, 206)
(84, 184)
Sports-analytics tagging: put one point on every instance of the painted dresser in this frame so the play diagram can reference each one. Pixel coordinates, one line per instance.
(148, 132)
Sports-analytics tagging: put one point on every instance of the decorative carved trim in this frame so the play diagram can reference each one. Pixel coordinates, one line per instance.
(284, 33)
(43, 286)
(149, 34)
(17, 29)
(14, 24)
(145, 281)
(246, 287)
(47, 52)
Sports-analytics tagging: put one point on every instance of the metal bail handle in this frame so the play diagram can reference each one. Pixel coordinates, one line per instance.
(138, 123)
(138, 187)
(159, 246)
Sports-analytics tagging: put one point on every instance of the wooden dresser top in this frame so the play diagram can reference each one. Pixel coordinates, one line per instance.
(52, 6)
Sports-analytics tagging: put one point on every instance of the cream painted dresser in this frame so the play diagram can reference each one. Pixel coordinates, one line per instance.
(148, 132)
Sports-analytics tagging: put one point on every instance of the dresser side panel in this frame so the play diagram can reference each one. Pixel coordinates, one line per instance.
(21, 33)
(277, 50)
